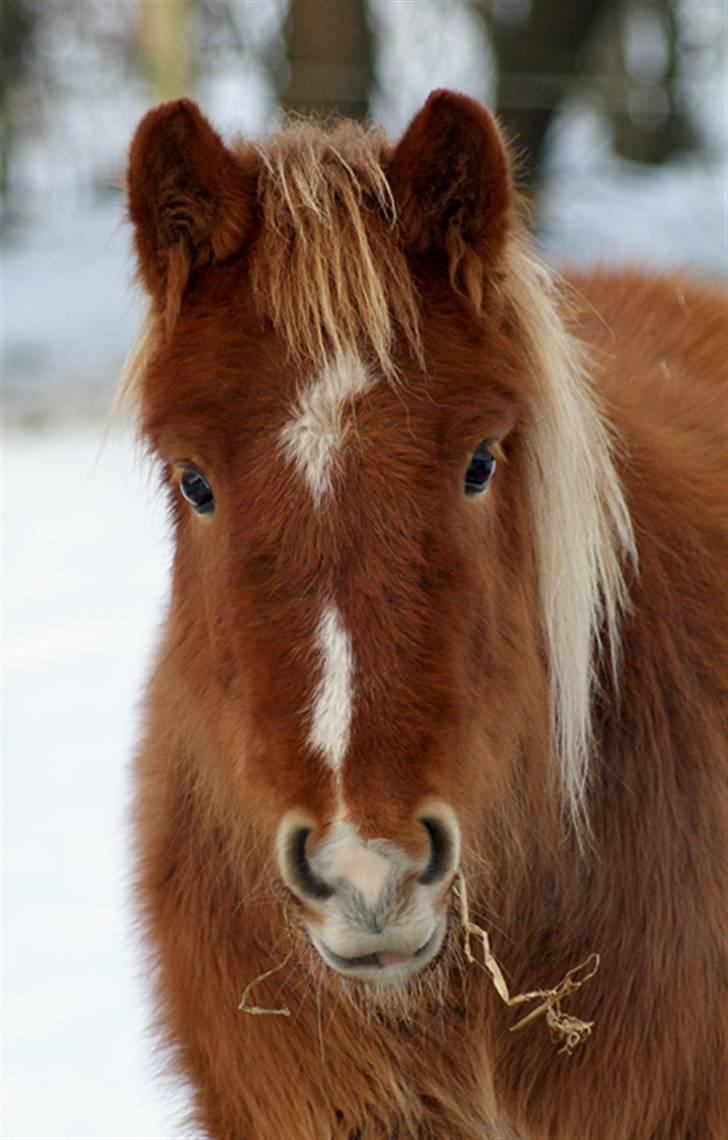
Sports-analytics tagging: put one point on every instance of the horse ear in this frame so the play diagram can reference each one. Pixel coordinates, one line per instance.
(451, 182)
(190, 199)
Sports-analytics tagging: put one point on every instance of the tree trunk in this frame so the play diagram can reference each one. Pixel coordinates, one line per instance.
(538, 59)
(330, 56)
(649, 123)
(164, 46)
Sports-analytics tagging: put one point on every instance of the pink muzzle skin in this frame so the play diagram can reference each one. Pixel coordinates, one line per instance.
(391, 958)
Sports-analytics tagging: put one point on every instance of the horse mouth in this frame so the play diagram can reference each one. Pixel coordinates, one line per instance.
(384, 960)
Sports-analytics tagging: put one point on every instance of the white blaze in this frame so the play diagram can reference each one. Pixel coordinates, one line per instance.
(315, 433)
(332, 707)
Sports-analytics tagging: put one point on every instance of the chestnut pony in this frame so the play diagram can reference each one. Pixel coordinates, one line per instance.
(446, 597)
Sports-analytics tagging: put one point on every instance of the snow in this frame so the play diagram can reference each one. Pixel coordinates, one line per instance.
(598, 208)
(85, 558)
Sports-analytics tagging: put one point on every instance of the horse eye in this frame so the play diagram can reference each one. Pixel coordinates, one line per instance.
(197, 491)
(480, 470)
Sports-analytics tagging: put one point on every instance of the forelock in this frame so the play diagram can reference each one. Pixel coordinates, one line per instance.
(328, 268)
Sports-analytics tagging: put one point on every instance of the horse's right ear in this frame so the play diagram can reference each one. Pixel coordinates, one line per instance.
(451, 182)
(190, 199)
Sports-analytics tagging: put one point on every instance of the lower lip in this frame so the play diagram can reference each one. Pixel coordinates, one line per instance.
(392, 959)
(385, 960)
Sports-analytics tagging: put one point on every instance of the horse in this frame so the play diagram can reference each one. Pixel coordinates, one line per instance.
(443, 653)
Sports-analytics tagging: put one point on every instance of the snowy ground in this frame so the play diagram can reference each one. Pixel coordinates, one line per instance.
(85, 576)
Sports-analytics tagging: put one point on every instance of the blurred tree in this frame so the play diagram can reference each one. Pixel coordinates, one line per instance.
(17, 23)
(649, 122)
(330, 58)
(544, 47)
(540, 49)
(165, 45)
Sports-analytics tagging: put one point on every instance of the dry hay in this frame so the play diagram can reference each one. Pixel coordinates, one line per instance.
(566, 1030)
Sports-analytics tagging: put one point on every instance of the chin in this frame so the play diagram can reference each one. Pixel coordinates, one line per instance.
(386, 971)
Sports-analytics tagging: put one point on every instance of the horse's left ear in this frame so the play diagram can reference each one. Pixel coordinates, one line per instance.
(191, 199)
(451, 182)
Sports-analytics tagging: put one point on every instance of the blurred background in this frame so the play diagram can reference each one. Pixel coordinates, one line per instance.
(617, 109)
(618, 113)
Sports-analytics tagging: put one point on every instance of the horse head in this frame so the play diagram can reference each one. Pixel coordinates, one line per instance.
(388, 566)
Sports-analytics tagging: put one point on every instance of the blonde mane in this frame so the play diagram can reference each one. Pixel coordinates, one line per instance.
(582, 529)
(327, 273)
(326, 270)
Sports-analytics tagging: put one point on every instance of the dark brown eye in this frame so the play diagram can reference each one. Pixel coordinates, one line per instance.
(197, 491)
(480, 470)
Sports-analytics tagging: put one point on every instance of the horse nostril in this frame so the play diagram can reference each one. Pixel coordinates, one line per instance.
(300, 875)
(442, 851)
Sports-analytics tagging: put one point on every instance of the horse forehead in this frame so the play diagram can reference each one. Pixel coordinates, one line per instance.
(315, 431)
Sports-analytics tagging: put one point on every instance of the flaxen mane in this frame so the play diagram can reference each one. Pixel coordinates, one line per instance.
(326, 270)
